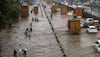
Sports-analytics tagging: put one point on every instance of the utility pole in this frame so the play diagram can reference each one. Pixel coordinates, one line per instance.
(91, 7)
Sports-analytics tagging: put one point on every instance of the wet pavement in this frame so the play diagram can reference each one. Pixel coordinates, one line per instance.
(42, 42)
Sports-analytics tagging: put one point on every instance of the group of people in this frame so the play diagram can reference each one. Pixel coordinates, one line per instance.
(28, 31)
(23, 51)
(35, 19)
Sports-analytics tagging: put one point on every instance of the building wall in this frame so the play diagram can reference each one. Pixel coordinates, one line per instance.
(96, 2)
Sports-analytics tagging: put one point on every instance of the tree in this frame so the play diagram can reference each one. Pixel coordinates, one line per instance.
(9, 12)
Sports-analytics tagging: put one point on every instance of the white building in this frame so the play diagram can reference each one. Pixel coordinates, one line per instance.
(96, 3)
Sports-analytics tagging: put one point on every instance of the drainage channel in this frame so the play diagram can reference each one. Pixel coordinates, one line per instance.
(62, 50)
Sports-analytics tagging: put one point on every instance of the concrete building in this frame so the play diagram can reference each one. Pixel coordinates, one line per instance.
(96, 3)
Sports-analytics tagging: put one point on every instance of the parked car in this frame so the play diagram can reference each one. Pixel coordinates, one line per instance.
(91, 29)
(95, 22)
(97, 45)
(98, 26)
(87, 24)
(89, 20)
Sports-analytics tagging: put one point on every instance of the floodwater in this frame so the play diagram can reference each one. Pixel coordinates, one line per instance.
(42, 42)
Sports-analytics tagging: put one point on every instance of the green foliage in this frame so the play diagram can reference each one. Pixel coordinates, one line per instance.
(9, 12)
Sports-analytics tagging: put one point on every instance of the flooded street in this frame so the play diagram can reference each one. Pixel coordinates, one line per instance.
(74, 45)
(42, 42)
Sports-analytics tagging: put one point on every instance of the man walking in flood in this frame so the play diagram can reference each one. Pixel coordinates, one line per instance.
(15, 53)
